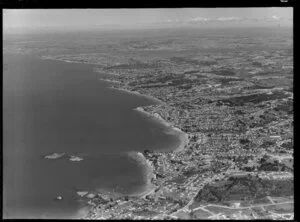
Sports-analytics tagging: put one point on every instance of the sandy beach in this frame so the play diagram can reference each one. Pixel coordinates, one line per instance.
(184, 138)
(148, 168)
(138, 94)
(109, 80)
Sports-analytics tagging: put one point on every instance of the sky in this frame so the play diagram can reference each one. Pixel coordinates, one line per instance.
(84, 18)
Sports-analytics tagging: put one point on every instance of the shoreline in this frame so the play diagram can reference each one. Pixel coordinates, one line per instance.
(111, 81)
(183, 137)
(67, 61)
(149, 187)
(149, 169)
(149, 174)
(138, 94)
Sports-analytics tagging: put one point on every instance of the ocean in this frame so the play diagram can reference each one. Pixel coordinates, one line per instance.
(52, 106)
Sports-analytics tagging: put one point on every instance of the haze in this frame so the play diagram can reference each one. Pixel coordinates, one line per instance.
(141, 18)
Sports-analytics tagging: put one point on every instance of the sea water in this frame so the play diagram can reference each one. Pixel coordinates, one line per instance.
(52, 106)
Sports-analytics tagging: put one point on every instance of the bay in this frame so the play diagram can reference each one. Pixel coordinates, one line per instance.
(52, 106)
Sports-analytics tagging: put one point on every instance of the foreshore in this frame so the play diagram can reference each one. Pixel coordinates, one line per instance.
(149, 187)
(69, 61)
(108, 80)
(138, 94)
(149, 169)
(184, 138)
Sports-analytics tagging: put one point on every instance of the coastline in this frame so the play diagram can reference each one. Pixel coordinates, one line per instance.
(207, 132)
(108, 80)
(138, 94)
(149, 169)
(68, 61)
(149, 174)
(183, 137)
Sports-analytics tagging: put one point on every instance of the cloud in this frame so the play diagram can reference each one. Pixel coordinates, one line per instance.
(172, 21)
(218, 19)
(275, 17)
(205, 20)
(198, 19)
(225, 19)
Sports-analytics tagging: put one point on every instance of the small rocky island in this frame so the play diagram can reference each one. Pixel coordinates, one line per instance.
(75, 158)
(55, 156)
